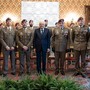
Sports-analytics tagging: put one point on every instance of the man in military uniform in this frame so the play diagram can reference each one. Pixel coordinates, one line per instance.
(46, 26)
(1, 26)
(7, 35)
(88, 44)
(24, 39)
(79, 38)
(60, 39)
(31, 25)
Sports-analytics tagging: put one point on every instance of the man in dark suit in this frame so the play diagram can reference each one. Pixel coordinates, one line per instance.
(41, 45)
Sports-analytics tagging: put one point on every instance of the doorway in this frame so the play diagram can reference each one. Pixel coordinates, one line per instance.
(87, 14)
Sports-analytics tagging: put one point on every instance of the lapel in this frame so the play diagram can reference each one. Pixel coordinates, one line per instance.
(39, 33)
(61, 30)
(5, 30)
(12, 30)
(45, 31)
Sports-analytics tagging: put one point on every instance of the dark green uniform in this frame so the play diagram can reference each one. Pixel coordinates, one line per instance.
(24, 37)
(79, 37)
(88, 45)
(60, 39)
(8, 39)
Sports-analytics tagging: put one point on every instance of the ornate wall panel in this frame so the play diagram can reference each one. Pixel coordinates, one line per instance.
(10, 7)
(66, 6)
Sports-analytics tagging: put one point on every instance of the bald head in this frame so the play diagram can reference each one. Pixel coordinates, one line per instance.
(41, 24)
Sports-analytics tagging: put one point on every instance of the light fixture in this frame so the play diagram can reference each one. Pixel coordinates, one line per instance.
(71, 17)
(14, 18)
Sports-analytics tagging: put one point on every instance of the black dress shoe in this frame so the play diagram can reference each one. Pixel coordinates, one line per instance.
(44, 73)
(39, 73)
(62, 72)
(4, 75)
(56, 72)
(1, 73)
(76, 74)
(83, 75)
(13, 73)
(28, 73)
(20, 74)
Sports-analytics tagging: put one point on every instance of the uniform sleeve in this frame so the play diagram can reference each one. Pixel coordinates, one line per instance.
(2, 39)
(88, 35)
(31, 41)
(14, 38)
(34, 39)
(18, 41)
(69, 40)
(73, 34)
(53, 39)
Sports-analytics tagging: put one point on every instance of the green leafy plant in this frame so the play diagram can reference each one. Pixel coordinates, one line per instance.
(47, 82)
(43, 82)
(10, 84)
(26, 84)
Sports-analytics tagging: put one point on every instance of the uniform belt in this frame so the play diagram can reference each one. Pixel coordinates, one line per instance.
(80, 41)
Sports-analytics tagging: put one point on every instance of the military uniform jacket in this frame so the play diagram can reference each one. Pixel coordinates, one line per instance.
(88, 45)
(33, 28)
(24, 37)
(80, 37)
(7, 37)
(60, 39)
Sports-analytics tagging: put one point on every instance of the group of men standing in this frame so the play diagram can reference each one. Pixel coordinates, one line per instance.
(24, 37)
(41, 38)
(61, 39)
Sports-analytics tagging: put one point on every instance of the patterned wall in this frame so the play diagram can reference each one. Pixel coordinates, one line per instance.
(66, 6)
(10, 8)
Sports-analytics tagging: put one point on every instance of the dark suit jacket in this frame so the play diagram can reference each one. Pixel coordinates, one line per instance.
(41, 41)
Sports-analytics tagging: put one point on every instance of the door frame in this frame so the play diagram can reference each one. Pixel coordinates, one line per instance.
(86, 19)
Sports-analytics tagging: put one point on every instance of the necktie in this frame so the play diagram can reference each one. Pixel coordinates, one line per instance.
(41, 31)
(62, 29)
(9, 28)
(25, 29)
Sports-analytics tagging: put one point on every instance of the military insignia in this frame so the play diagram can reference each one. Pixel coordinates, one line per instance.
(28, 33)
(57, 32)
(66, 33)
(85, 30)
(77, 32)
(79, 27)
(21, 33)
(71, 29)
